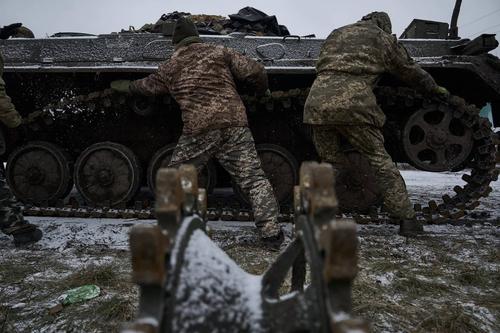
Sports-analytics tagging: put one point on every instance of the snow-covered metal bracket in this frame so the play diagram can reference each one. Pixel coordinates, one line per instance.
(188, 284)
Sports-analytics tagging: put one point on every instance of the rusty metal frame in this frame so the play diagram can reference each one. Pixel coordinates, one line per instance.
(328, 246)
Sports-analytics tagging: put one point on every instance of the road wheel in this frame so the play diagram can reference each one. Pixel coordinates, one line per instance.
(107, 173)
(38, 172)
(281, 169)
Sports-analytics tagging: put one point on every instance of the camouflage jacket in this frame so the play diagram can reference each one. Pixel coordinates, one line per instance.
(8, 114)
(351, 61)
(201, 78)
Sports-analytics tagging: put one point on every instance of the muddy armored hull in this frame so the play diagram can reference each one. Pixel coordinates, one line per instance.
(61, 84)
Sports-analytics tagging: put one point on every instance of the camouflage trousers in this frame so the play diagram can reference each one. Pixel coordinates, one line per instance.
(234, 148)
(10, 210)
(369, 141)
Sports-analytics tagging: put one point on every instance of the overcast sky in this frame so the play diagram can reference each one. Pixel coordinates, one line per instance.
(302, 17)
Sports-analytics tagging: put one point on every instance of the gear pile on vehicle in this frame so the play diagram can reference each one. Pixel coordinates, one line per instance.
(188, 284)
(248, 20)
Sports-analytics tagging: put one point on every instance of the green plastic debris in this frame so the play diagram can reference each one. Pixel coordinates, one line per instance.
(80, 294)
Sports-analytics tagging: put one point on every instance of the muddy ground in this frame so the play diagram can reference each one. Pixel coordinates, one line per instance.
(445, 281)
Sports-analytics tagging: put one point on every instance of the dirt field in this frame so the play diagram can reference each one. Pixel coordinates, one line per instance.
(445, 281)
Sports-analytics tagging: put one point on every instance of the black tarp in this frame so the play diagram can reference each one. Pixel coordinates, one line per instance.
(260, 20)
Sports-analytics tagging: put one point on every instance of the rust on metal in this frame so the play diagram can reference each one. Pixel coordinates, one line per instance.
(202, 203)
(148, 245)
(340, 243)
(169, 199)
(318, 190)
(142, 327)
(191, 297)
(189, 183)
(350, 326)
(297, 200)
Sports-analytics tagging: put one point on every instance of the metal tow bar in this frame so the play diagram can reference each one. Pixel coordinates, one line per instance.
(188, 284)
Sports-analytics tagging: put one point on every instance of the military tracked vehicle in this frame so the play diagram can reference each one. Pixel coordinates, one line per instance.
(110, 145)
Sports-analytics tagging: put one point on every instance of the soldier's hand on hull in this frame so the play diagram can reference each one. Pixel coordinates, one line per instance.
(31, 122)
(8, 113)
(122, 86)
(442, 92)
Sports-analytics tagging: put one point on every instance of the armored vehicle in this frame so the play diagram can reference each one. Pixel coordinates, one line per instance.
(110, 145)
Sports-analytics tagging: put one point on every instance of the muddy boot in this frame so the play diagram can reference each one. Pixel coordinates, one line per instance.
(410, 227)
(24, 233)
(271, 235)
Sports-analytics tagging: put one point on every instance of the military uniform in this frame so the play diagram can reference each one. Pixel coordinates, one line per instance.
(201, 78)
(15, 30)
(8, 114)
(11, 218)
(234, 148)
(341, 102)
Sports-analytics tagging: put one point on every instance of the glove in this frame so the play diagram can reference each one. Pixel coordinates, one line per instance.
(268, 93)
(442, 92)
(31, 120)
(9, 30)
(122, 86)
(12, 120)
(30, 124)
(24, 128)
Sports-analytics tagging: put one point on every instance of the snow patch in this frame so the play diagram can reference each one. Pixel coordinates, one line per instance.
(211, 281)
(64, 233)
(384, 279)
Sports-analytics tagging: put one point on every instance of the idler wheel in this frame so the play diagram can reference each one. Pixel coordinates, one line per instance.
(38, 172)
(281, 169)
(107, 173)
(206, 178)
(435, 141)
(355, 184)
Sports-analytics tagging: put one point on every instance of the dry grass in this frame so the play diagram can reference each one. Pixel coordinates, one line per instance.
(105, 275)
(14, 271)
(435, 284)
(7, 316)
(432, 284)
(117, 309)
(478, 277)
(106, 313)
(450, 318)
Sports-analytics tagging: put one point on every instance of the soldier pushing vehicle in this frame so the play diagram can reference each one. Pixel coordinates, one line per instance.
(341, 103)
(201, 78)
(11, 217)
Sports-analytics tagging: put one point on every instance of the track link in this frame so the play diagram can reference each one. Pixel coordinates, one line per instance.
(483, 164)
(452, 207)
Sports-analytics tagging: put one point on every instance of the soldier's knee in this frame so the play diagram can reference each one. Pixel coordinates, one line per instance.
(249, 184)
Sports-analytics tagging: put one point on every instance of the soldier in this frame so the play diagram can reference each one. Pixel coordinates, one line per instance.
(201, 78)
(11, 218)
(341, 103)
(15, 30)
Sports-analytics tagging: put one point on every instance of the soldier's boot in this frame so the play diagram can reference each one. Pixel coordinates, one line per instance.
(271, 234)
(24, 233)
(410, 227)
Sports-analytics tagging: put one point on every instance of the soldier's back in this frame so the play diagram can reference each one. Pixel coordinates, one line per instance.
(351, 60)
(357, 49)
(201, 81)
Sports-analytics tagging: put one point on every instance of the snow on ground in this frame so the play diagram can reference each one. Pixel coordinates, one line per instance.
(62, 233)
(445, 281)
